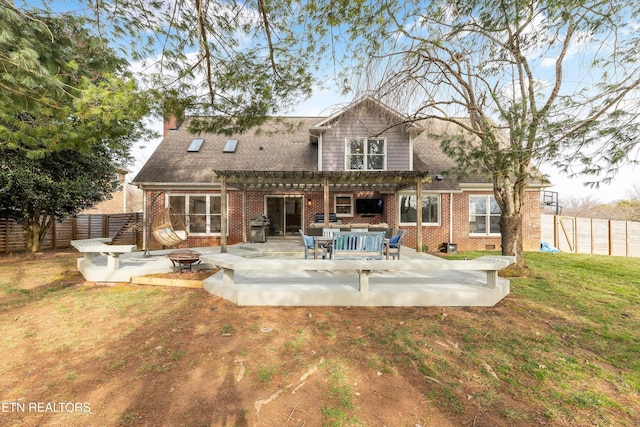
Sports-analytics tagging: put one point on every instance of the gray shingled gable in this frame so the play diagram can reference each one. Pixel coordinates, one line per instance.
(273, 148)
(386, 114)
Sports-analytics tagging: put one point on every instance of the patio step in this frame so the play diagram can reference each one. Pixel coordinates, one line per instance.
(278, 249)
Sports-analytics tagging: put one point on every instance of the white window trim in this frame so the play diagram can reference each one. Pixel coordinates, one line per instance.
(366, 154)
(207, 208)
(487, 216)
(424, 224)
(335, 205)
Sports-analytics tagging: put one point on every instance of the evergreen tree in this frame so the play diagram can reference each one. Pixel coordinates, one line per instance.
(69, 115)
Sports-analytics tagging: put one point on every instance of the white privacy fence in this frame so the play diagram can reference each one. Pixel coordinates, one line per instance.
(591, 236)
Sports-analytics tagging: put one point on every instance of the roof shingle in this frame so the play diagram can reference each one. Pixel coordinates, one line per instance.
(272, 147)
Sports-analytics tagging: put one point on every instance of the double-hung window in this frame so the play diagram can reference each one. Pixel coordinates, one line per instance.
(201, 212)
(365, 154)
(409, 209)
(484, 215)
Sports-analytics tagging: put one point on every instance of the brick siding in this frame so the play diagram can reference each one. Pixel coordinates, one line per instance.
(432, 236)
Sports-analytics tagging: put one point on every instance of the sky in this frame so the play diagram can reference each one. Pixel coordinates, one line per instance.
(567, 187)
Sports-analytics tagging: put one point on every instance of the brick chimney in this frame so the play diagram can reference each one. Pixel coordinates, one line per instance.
(170, 123)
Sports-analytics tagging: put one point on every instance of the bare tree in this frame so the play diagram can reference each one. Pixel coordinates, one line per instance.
(634, 192)
(579, 206)
(588, 207)
(526, 80)
(135, 199)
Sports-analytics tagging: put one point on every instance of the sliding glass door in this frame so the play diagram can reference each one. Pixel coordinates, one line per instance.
(285, 215)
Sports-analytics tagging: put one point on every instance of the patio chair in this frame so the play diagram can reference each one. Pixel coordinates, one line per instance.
(393, 246)
(310, 247)
(168, 227)
(329, 232)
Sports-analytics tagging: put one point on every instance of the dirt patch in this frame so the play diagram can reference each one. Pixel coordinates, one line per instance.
(78, 354)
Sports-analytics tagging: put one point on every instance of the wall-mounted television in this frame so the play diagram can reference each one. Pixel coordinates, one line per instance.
(369, 206)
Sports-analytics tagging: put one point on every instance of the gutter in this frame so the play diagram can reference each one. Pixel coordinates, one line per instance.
(177, 185)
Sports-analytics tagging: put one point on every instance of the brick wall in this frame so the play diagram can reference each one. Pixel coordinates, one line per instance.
(461, 227)
(192, 241)
(432, 236)
(532, 222)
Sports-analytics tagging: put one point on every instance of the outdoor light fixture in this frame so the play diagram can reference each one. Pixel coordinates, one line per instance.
(309, 201)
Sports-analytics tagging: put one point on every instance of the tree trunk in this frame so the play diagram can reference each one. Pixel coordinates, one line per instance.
(35, 230)
(511, 230)
(31, 231)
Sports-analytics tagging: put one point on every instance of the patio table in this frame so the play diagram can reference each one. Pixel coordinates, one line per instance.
(322, 242)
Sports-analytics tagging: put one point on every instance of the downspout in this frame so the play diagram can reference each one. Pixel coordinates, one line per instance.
(320, 152)
(451, 217)
(419, 184)
(145, 216)
(223, 214)
(244, 215)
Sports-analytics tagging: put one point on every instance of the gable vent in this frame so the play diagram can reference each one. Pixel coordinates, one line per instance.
(196, 144)
(230, 146)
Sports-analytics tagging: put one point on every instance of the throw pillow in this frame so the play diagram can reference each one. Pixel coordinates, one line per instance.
(308, 240)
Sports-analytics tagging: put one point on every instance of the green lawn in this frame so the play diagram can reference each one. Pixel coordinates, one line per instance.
(577, 341)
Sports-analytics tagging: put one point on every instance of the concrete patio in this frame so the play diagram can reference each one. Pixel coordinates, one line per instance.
(136, 264)
(274, 287)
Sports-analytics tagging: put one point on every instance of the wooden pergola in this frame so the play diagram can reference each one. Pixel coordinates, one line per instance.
(315, 180)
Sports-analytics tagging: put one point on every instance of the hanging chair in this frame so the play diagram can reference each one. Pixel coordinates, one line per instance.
(168, 227)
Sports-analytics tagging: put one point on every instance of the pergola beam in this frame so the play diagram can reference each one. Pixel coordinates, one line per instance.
(375, 180)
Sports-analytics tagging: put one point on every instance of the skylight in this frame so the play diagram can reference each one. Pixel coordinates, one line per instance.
(195, 145)
(230, 146)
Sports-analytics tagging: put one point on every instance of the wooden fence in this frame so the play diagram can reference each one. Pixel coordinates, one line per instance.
(124, 229)
(591, 236)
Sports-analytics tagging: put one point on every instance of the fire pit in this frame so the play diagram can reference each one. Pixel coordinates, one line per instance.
(183, 259)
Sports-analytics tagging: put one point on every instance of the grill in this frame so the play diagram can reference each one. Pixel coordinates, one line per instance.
(259, 221)
(259, 224)
(320, 217)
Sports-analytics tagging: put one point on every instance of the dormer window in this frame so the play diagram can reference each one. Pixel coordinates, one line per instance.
(365, 154)
(196, 144)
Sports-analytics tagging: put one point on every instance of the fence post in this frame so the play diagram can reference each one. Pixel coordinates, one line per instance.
(610, 239)
(6, 235)
(626, 238)
(106, 219)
